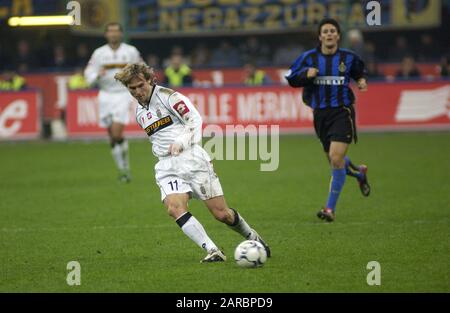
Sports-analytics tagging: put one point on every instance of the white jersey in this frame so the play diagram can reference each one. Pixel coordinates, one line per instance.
(169, 118)
(112, 61)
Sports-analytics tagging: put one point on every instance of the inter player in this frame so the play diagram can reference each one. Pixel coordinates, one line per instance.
(325, 74)
(184, 170)
(114, 99)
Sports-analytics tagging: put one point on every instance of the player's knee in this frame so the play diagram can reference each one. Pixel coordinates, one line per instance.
(223, 215)
(337, 160)
(174, 208)
(117, 138)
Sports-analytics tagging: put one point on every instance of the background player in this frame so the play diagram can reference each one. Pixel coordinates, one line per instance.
(114, 100)
(174, 127)
(325, 74)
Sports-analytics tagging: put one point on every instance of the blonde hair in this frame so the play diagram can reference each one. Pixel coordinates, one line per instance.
(130, 71)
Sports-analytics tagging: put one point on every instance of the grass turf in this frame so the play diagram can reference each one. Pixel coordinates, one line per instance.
(61, 202)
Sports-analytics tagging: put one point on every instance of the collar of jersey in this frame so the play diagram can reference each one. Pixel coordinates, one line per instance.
(147, 105)
(319, 49)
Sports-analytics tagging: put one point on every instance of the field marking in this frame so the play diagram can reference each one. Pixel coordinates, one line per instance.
(57, 229)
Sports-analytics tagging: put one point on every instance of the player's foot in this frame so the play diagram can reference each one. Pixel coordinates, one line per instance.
(326, 214)
(124, 177)
(363, 183)
(214, 256)
(258, 238)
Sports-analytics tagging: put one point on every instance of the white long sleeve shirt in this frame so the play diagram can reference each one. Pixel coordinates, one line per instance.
(169, 118)
(112, 61)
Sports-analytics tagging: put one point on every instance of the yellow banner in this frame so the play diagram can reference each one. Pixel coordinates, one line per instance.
(95, 14)
(416, 13)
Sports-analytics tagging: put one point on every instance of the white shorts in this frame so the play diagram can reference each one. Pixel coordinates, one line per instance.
(190, 172)
(114, 107)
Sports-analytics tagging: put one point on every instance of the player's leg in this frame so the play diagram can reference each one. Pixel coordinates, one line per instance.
(119, 150)
(360, 173)
(107, 103)
(229, 216)
(175, 195)
(120, 117)
(336, 156)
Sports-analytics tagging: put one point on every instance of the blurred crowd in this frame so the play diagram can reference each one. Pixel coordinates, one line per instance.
(249, 53)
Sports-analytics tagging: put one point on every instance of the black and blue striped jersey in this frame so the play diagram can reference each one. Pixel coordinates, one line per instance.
(330, 88)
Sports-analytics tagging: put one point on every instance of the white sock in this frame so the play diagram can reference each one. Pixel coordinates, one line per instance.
(240, 226)
(116, 152)
(195, 231)
(124, 149)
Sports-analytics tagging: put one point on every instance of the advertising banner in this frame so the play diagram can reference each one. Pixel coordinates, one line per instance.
(82, 116)
(20, 115)
(395, 106)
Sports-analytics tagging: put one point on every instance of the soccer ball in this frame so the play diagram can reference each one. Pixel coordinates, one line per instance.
(250, 253)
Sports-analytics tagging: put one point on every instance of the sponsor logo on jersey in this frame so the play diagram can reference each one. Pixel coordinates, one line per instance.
(329, 80)
(181, 108)
(149, 115)
(158, 125)
(114, 65)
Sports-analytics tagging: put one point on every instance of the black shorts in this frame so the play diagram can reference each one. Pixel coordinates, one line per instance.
(335, 124)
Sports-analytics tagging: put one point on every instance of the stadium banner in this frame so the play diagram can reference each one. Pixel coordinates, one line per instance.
(395, 106)
(10, 8)
(404, 106)
(161, 18)
(82, 116)
(54, 85)
(95, 14)
(20, 116)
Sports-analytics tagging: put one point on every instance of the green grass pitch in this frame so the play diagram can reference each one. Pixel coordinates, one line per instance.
(60, 202)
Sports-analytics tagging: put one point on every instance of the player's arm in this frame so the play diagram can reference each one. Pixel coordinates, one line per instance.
(185, 111)
(301, 73)
(358, 73)
(93, 70)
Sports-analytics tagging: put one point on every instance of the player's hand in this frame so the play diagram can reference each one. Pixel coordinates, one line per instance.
(362, 84)
(312, 72)
(175, 149)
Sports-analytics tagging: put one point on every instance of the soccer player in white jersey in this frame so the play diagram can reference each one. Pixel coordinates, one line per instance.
(114, 99)
(184, 170)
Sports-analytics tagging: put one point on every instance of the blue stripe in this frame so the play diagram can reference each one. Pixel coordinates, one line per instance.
(348, 64)
(296, 67)
(334, 89)
(322, 71)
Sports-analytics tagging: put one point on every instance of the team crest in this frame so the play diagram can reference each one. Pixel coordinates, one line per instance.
(203, 190)
(342, 67)
(149, 115)
(158, 113)
(181, 108)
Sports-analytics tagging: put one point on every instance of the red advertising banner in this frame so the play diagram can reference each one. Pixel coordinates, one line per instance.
(82, 116)
(383, 107)
(54, 89)
(20, 116)
(409, 105)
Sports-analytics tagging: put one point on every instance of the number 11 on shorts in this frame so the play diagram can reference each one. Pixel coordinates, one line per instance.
(172, 184)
